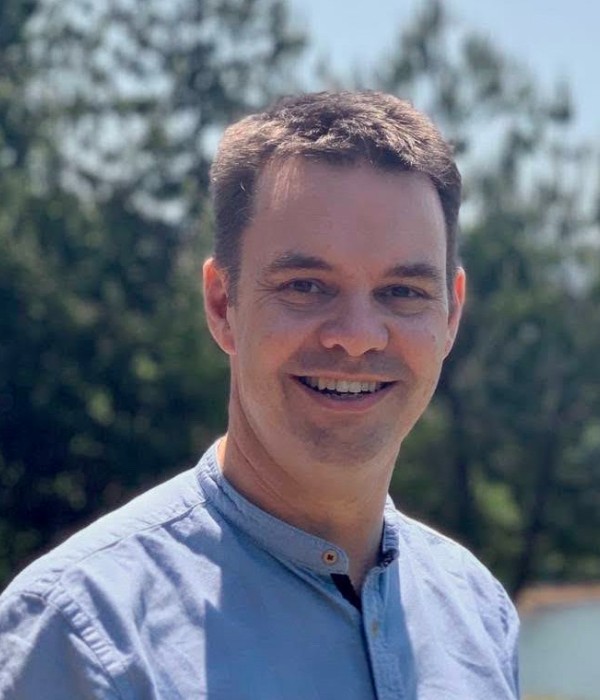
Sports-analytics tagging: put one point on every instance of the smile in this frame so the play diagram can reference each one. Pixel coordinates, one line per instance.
(340, 387)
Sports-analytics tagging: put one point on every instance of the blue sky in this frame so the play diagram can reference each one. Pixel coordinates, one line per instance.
(553, 38)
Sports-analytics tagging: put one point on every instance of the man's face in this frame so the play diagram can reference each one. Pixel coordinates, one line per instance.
(342, 319)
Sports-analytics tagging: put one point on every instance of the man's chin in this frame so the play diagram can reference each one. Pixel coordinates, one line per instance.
(347, 447)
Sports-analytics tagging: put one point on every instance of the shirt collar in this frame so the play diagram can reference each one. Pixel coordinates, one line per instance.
(278, 537)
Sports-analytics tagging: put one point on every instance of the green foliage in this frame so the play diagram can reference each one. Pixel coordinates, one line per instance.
(505, 459)
(138, 89)
(108, 379)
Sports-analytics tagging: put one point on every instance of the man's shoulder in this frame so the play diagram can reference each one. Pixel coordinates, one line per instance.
(431, 550)
(441, 577)
(456, 572)
(427, 543)
(89, 598)
(119, 535)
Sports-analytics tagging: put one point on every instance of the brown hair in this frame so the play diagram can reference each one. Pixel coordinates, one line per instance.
(334, 127)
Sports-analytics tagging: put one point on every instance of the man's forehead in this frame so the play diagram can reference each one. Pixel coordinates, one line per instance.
(375, 218)
(284, 178)
(281, 179)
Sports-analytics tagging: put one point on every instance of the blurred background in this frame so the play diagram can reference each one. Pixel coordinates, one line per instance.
(109, 114)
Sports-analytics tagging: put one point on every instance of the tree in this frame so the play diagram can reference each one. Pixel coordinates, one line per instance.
(513, 428)
(109, 381)
(138, 89)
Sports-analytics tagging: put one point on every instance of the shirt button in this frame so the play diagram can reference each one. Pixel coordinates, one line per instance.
(374, 628)
(330, 557)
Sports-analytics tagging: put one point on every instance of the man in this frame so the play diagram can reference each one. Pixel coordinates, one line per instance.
(278, 568)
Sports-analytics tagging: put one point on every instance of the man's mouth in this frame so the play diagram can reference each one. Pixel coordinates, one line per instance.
(342, 387)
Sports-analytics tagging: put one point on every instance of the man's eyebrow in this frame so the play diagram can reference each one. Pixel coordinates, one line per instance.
(292, 260)
(296, 261)
(422, 270)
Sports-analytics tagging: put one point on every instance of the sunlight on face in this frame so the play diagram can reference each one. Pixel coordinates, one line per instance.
(342, 320)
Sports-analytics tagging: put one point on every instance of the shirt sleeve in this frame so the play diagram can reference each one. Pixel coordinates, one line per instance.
(499, 617)
(42, 655)
(511, 626)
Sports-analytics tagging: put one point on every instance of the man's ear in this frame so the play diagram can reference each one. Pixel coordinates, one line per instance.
(459, 291)
(216, 305)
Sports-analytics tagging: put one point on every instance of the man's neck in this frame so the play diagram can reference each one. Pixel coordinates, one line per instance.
(349, 516)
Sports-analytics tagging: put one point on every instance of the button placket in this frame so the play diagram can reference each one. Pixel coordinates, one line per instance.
(382, 660)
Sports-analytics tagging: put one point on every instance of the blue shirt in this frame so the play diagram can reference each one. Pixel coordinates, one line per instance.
(190, 591)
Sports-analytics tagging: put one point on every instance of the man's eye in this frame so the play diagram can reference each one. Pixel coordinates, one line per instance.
(304, 287)
(398, 291)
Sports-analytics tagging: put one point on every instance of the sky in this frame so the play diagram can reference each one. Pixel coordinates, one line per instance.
(555, 39)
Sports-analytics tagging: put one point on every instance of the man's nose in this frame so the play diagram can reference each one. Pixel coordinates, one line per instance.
(356, 327)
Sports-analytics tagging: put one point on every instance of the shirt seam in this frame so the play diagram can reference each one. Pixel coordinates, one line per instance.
(51, 582)
(80, 632)
(504, 620)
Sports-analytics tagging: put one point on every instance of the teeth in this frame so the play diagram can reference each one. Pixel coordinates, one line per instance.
(342, 386)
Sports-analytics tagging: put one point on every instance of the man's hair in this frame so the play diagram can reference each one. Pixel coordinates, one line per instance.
(340, 128)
